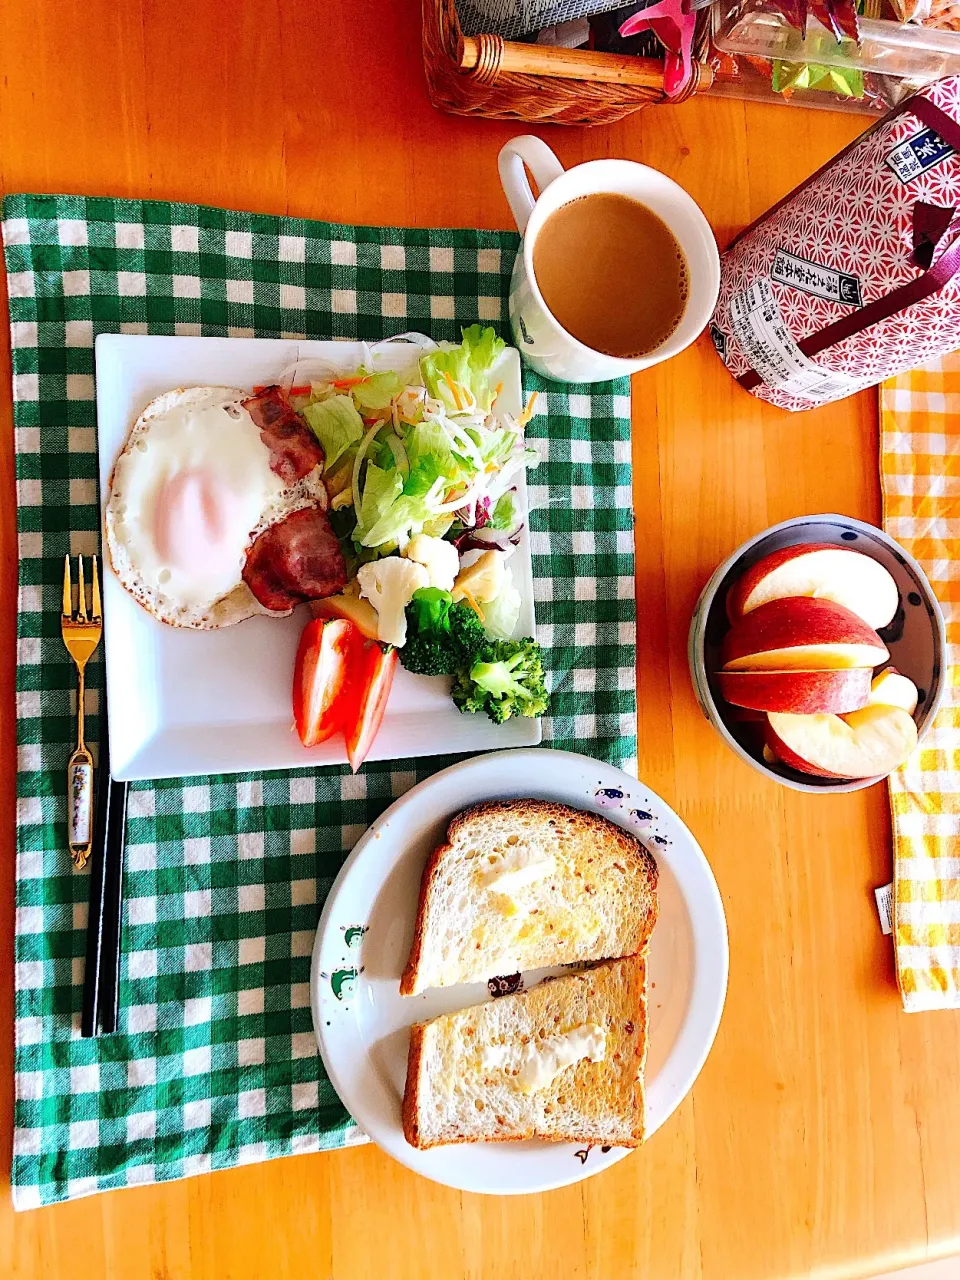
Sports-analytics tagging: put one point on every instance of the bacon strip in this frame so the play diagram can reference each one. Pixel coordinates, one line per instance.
(294, 449)
(296, 559)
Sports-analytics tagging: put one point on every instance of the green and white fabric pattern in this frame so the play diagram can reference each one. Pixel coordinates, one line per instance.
(215, 1063)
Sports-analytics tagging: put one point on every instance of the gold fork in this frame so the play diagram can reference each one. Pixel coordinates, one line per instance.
(81, 634)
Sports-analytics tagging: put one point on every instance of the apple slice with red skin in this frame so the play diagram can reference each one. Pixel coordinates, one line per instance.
(823, 571)
(864, 744)
(801, 634)
(892, 689)
(798, 692)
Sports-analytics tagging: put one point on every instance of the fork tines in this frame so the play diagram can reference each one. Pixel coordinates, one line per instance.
(96, 610)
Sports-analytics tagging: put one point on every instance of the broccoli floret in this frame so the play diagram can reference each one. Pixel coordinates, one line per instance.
(466, 632)
(429, 610)
(426, 656)
(500, 677)
(505, 678)
(442, 637)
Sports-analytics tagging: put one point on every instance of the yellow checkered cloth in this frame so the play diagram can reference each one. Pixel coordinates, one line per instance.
(920, 474)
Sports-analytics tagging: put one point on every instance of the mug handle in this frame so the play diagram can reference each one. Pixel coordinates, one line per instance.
(542, 163)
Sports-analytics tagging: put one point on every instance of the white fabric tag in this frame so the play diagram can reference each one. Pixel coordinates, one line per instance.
(884, 897)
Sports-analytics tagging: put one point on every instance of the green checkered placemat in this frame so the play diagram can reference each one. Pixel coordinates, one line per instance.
(215, 1063)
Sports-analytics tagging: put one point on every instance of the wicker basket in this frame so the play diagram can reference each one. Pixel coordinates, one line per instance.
(488, 76)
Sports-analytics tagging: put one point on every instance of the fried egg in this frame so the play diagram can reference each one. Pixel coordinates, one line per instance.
(190, 492)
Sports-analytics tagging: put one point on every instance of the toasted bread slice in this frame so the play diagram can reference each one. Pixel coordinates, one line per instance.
(563, 1062)
(522, 884)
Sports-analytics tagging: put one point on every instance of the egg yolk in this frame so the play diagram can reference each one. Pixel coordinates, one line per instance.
(192, 521)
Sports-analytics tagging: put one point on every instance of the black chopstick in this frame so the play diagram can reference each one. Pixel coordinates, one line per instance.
(112, 935)
(101, 982)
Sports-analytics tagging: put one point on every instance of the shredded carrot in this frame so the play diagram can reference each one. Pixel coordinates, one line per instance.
(528, 411)
(354, 382)
(453, 390)
(473, 605)
(300, 391)
(497, 390)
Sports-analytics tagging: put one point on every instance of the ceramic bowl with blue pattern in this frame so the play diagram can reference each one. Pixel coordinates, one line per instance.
(916, 637)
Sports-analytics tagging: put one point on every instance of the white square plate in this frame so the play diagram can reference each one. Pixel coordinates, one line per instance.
(191, 702)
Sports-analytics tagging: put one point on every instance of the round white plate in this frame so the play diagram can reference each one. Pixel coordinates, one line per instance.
(363, 939)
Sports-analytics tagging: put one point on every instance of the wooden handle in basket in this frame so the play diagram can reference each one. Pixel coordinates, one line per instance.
(487, 57)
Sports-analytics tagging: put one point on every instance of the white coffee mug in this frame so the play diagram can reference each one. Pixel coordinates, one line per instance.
(544, 344)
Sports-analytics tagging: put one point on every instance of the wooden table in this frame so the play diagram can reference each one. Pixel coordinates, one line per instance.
(821, 1136)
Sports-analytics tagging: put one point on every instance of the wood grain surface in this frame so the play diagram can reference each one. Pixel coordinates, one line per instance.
(821, 1136)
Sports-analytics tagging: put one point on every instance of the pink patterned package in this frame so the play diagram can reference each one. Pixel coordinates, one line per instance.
(855, 275)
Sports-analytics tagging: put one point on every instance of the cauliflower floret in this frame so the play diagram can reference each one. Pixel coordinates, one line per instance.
(438, 557)
(389, 586)
(483, 579)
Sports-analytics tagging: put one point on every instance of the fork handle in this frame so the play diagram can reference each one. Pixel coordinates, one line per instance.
(80, 805)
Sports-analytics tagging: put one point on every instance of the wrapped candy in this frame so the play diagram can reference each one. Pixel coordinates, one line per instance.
(847, 82)
(838, 16)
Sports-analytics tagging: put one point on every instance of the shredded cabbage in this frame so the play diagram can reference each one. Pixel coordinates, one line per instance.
(424, 454)
(381, 489)
(501, 614)
(506, 516)
(459, 376)
(337, 425)
(431, 458)
(403, 518)
(377, 391)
